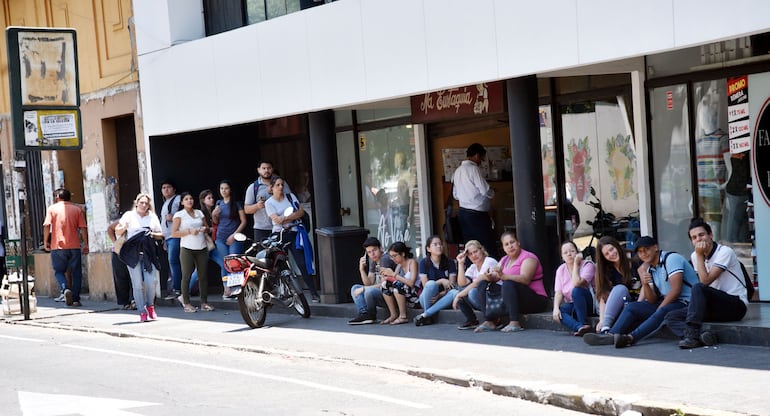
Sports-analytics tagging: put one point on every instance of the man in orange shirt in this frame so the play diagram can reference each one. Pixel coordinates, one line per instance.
(63, 229)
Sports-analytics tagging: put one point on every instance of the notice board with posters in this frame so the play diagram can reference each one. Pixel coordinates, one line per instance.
(497, 161)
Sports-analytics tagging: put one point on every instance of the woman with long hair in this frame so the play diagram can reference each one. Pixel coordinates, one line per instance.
(438, 276)
(139, 252)
(190, 226)
(572, 300)
(473, 280)
(275, 207)
(400, 285)
(230, 218)
(616, 283)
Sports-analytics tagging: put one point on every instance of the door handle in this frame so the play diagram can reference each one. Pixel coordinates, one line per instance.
(344, 211)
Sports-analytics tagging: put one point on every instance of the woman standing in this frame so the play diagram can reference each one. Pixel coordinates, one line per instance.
(438, 276)
(275, 207)
(230, 219)
(400, 285)
(473, 281)
(615, 282)
(522, 277)
(190, 227)
(572, 300)
(139, 252)
(206, 201)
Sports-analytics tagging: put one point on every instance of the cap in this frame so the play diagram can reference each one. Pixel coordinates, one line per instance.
(646, 241)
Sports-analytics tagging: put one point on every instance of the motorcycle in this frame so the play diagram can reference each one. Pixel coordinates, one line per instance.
(266, 277)
(624, 229)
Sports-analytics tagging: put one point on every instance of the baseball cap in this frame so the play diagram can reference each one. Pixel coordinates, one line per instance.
(646, 241)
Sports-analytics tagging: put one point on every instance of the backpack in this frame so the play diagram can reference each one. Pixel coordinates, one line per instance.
(746, 282)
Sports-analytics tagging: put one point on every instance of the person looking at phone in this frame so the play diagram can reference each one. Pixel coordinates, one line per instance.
(367, 296)
(400, 284)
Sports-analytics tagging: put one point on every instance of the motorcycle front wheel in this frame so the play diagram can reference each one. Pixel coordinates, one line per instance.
(252, 308)
(299, 301)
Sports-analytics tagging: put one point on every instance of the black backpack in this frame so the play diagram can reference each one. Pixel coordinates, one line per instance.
(746, 281)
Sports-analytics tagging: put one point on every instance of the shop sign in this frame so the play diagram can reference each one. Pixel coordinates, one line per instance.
(762, 151)
(456, 103)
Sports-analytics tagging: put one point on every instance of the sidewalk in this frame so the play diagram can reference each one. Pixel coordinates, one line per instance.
(542, 365)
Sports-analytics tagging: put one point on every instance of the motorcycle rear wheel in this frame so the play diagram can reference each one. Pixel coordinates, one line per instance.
(299, 303)
(252, 309)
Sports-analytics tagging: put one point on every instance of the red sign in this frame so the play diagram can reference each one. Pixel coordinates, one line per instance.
(455, 103)
(669, 100)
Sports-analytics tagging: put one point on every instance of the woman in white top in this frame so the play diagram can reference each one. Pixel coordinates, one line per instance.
(139, 220)
(275, 207)
(190, 226)
(400, 286)
(470, 297)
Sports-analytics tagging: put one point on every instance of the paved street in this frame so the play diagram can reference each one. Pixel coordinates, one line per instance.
(539, 365)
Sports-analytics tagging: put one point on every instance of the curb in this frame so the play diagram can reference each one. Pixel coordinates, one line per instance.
(566, 396)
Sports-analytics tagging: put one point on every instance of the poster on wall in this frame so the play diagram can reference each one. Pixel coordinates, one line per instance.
(759, 113)
(498, 159)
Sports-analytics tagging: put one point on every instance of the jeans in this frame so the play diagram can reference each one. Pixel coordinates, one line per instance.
(368, 300)
(477, 225)
(645, 317)
(443, 303)
(617, 299)
(468, 303)
(429, 291)
(175, 268)
(143, 283)
(518, 299)
(575, 314)
(61, 260)
(260, 235)
(706, 304)
(122, 280)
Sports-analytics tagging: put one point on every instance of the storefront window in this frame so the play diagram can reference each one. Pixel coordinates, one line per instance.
(389, 180)
(671, 166)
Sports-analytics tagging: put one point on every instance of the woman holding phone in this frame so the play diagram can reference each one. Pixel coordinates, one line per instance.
(400, 285)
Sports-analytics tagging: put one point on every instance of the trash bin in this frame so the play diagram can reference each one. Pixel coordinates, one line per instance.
(339, 249)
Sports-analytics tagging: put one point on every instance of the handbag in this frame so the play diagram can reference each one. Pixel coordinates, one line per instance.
(210, 243)
(452, 230)
(495, 307)
(118, 244)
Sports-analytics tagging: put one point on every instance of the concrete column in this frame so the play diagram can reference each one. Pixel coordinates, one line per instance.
(326, 185)
(528, 177)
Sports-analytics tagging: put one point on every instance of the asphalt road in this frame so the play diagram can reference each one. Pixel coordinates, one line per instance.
(48, 372)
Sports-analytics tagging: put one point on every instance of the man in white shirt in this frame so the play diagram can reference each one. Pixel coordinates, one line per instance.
(170, 207)
(256, 195)
(720, 296)
(475, 197)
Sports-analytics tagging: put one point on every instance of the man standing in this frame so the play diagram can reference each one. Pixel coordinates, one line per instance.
(475, 197)
(63, 229)
(667, 281)
(256, 195)
(720, 296)
(368, 295)
(167, 211)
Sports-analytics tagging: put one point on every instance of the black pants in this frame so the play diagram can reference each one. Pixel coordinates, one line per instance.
(122, 280)
(477, 225)
(706, 304)
(517, 298)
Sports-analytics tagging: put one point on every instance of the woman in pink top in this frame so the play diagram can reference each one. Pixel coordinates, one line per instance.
(572, 300)
(522, 277)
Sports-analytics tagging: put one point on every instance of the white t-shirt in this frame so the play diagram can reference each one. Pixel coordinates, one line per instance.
(470, 187)
(273, 206)
(191, 241)
(473, 272)
(135, 223)
(731, 280)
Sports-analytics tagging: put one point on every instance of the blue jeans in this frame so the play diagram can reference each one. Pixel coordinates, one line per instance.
(469, 303)
(175, 267)
(367, 301)
(645, 317)
(618, 298)
(61, 260)
(143, 283)
(575, 314)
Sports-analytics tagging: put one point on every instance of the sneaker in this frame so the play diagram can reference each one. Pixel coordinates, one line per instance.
(68, 297)
(60, 298)
(598, 339)
(316, 299)
(468, 325)
(361, 319)
(690, 343)
(234, 292)
(143, 317)
(151, 312)
(422, 320)
(708, 338)
(171, 295)
(623, 340)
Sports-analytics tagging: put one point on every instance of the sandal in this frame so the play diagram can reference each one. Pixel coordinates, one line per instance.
(483, 328)
(512, 328)
(582, 331)
(387, 321)
(400, 320)
(190, 308)
(206, 307)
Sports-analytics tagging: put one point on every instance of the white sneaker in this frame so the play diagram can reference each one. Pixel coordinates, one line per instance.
(60, 298)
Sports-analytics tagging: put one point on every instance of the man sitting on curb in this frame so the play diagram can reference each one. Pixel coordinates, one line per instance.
(719, 297)
(369, 295)
(667, 280)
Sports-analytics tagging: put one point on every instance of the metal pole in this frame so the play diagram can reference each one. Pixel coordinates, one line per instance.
(24, 279)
